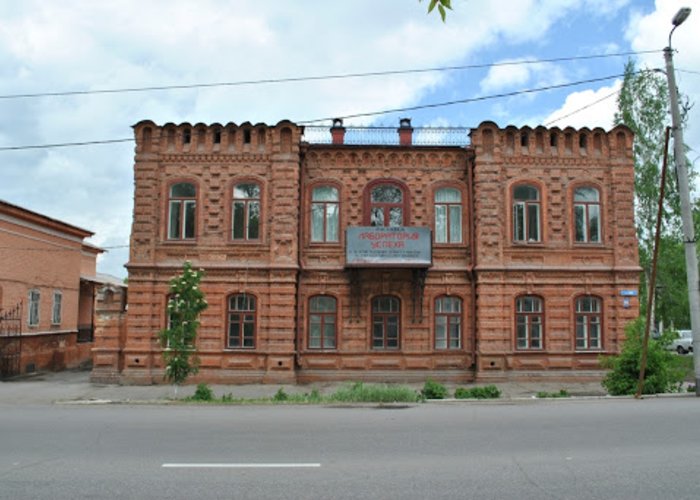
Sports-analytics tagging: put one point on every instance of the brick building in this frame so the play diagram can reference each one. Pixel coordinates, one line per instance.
(47, 286)
(508, 253)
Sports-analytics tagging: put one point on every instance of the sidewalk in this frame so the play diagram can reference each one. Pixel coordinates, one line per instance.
(73, 386)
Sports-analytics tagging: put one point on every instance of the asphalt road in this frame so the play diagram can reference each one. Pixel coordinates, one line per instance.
(607, 449)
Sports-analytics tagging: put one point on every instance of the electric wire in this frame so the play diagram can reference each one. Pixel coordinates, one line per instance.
(267, 81)
(354, 115)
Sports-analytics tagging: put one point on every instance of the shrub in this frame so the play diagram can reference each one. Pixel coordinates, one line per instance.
(203, 393)
(280, 395)
(661, 374)
(563, 393)
(486, 392)
(434, 390)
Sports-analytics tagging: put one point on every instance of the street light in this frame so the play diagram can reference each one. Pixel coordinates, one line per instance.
(691, 258)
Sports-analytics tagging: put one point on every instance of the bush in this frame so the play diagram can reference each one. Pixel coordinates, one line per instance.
(486, 392)
(280, 395)
(661, 373)
(563, 393)
(203, 393)
(434, 390)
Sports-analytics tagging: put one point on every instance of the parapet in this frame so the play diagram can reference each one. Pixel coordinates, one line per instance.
(488, 138)
(216, 138)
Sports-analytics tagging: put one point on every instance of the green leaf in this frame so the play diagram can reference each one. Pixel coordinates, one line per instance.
(442, 12)
(433, 3)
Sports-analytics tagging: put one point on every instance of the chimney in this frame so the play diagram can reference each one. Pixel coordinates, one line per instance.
(405, 132)
(338, 131)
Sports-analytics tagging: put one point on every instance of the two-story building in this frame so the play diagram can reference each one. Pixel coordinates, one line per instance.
(48, 282)
(454, 254)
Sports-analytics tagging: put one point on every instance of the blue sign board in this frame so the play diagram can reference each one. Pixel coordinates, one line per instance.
(628, 293)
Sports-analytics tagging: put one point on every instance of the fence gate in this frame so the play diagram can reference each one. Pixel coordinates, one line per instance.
(10, 341)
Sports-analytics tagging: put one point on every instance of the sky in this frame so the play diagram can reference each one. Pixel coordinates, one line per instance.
(81, 45)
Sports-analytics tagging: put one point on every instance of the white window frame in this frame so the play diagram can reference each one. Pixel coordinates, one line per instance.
(57, 308)
(33, 309)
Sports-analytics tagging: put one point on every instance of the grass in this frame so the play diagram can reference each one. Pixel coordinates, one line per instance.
(357, 392)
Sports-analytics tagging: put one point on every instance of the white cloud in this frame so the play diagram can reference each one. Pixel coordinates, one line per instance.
(587, 108)
(74, 45)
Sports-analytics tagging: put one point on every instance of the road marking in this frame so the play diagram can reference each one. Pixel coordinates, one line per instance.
(241, 466)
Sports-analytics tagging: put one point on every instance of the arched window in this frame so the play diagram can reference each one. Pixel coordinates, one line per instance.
(322, 322)
(589, 320)
(448, 323)
(587, 215)
(526, 214)
(529, 320)
(448, 215)
(182, 211)
(324, 214)
(387, 205)
(246, 214)
(386, 323)
(241, 321)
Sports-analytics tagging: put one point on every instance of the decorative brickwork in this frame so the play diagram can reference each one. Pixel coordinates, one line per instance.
(316, 319)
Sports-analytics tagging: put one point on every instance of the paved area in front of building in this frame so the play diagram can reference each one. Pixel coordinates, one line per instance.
(72, 386)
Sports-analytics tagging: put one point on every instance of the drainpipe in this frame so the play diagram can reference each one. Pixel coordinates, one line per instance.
(471, 163)
(297, 306)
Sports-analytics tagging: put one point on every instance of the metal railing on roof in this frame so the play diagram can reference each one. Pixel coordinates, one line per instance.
(389, 136)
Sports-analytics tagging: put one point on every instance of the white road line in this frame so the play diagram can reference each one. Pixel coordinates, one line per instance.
(240, 466)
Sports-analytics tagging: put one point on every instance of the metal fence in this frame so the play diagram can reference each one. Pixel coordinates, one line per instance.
(389, 136)
(10, 341)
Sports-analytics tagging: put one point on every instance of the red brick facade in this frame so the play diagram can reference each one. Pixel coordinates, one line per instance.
(255, 207)
(47, 271)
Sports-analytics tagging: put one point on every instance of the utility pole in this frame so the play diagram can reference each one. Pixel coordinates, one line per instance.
(691, 258)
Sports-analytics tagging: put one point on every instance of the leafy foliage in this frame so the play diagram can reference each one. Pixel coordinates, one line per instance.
(661, 375)
(486, 392)
(442, 6)
(178, 340)
(643, 107)
(203, 393)
(434, 390)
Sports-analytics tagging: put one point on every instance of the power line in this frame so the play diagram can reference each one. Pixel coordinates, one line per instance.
(582, 108)
(319, 77)
(63, 144)
(463, 101)
(355, 115)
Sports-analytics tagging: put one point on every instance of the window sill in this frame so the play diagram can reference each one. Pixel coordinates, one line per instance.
(179, 242)
(527, 244)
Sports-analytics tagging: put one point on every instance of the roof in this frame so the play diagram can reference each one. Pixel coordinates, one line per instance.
(42, 220)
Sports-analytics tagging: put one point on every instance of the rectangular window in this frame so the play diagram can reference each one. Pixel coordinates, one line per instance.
(448, 323)
(533, 222)
(241, 321)
(448, 216)
(56, 310)
(322, 322)
(34, 298)
(324, 214)
(529, 310)
(245, 212)
(175, 222)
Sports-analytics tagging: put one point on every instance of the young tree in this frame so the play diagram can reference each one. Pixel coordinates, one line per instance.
(185, 304)
(643, 107)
